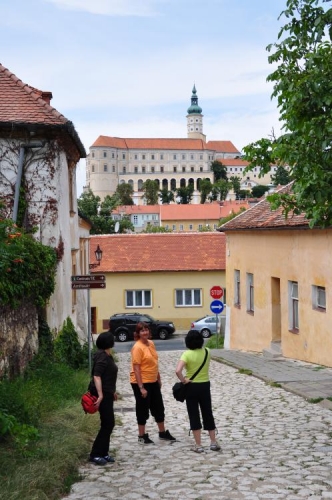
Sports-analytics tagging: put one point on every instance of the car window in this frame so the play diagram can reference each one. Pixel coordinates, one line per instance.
(145, 319)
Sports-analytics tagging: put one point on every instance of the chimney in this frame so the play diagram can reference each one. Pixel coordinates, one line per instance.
(47, 96)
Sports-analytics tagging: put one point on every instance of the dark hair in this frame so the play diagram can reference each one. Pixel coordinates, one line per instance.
(139, 327)
(105, 340)
(194, 340)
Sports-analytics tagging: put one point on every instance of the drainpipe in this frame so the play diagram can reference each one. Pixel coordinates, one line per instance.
(23, 148)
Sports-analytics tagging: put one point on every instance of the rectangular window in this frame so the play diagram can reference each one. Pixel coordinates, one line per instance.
(143, 170)
(161, 169)
(138, 298)
(161, 157)
(167, 227)
(152, 157)
(135, 219)
(123, 156)
(191, 157)
(188, 297)
(174, 227)
(293, 291)
(237, 297)
(183, 169)
(174, 157)
(201, 169)
(136, 170)
(174, 169)
(152, 170)
(319, 298)
(124, 170)
(143, 157)
(192, 169)
(92, 168)
(200, 226)
(105, 154)
(113, 155)
(93, 154)
(250, 292)
(190, 227)
(113, 168)
(201, 157)
(183, 157)
(136, 157)
(105, 168)
(181, 227)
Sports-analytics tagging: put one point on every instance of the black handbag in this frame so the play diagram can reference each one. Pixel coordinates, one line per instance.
(179, 389)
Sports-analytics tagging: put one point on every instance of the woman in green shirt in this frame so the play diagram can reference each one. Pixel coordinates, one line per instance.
(198, 397)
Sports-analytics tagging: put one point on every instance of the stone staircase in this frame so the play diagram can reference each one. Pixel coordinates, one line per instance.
(274, 352)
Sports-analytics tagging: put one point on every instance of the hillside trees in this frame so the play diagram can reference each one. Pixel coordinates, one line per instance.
(303, 89)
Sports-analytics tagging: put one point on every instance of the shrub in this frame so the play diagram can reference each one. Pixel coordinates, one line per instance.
(67, 348)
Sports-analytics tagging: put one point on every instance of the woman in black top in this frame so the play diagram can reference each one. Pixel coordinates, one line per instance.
(103, 385)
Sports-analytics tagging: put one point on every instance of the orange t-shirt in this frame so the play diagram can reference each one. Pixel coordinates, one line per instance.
(146, 356)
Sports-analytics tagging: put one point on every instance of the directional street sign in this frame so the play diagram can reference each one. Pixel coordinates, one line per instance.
(217, 306)
(87, 285)
(216, 292)
(89, 278)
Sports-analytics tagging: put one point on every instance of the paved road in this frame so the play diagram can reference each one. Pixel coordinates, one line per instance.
(275, 445)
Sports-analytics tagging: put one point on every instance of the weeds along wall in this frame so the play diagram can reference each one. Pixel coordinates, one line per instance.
(18, 338)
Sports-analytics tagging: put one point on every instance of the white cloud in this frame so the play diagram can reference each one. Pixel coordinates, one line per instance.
(140, 8)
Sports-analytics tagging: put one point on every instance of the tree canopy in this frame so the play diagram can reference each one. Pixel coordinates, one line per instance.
(219, 170)
(151, 192)
(303, 89)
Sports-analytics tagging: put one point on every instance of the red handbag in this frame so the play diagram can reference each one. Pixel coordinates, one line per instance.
(88, 403)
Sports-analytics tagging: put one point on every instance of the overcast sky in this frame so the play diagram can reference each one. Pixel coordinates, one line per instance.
(126, 68)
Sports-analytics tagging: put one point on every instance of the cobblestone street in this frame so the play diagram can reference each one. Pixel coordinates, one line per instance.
(274, 445)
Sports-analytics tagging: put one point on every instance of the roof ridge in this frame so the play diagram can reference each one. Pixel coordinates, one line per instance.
(32, 92)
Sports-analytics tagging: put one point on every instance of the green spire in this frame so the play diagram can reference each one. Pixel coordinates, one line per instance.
(194, 108)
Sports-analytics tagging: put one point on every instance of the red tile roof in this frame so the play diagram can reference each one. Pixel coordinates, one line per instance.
(22, 103)
(185, 212)
(261, 216)
(125, 253)
(230, 162)
(166, 144)
(222, 146)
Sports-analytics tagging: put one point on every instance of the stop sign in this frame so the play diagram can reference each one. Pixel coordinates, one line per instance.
(216, 292)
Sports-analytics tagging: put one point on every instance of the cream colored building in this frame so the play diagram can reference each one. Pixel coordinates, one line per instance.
(172, 163)
(279, 285)
(166, 275)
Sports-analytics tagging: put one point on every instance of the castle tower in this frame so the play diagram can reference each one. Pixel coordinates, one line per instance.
(195, 119)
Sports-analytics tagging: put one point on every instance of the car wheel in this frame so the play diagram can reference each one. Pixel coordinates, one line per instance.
(163, 334)
(122, 336)
(206, 333)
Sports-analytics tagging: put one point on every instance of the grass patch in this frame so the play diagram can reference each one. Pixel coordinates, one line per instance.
(52, 465)
(315, 400)
(319, 367)
(245, 371)
(271, 383)
(215, 343)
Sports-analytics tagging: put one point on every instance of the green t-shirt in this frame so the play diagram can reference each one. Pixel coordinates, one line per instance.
(193, 360)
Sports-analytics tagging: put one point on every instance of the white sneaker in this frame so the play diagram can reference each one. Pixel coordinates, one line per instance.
(214, 446)
(197, 449)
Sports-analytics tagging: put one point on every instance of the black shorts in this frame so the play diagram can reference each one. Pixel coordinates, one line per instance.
(152, 403)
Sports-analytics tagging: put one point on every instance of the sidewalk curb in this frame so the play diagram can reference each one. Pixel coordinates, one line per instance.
(324, 402)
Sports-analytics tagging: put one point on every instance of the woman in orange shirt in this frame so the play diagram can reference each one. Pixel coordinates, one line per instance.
(146, 383)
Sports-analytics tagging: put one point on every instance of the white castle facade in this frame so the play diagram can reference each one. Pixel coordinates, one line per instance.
(172, 163)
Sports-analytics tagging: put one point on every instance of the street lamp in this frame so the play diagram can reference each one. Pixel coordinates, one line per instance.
(99, 256)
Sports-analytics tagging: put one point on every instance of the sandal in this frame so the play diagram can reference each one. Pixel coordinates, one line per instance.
(198, 449)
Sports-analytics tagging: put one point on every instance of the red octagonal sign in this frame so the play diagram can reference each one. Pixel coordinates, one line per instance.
(216, 292)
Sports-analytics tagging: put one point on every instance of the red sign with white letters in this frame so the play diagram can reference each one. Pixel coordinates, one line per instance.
(216, 292)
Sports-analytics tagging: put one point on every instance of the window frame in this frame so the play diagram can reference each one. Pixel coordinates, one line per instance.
(293, 298)
(185, 296)
(135, 295)
(237, 287)
(317, 304)
(250, 294)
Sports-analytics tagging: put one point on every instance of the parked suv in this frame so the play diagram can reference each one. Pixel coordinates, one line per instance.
(123, 326)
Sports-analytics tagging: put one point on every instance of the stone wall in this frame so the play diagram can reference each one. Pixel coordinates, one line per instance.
(18, 339)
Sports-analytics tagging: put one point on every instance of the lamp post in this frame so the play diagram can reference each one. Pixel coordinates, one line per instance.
(99, 256)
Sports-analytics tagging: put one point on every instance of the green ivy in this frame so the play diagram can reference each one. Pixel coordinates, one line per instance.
(27, 268)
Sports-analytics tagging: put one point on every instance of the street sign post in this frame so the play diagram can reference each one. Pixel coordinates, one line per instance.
(87, 285)
(217, 306)
(216, 292)
(89, 278)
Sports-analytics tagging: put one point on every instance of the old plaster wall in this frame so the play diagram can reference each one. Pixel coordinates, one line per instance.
(18, 339)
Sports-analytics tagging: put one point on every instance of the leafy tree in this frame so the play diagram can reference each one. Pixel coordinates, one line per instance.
(231, 216)
(166, 196)
(151, 189)
(185, 194)
(125, 192)
(219, 170)
(302, 86)
(156, 229)
(220, 190)
(281, 177)
(236, 185)
(88, 203)
(258, 191)
(205, 189)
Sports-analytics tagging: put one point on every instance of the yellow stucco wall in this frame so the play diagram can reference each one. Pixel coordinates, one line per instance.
(275, 258)
(187, 223)
(163, 286)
